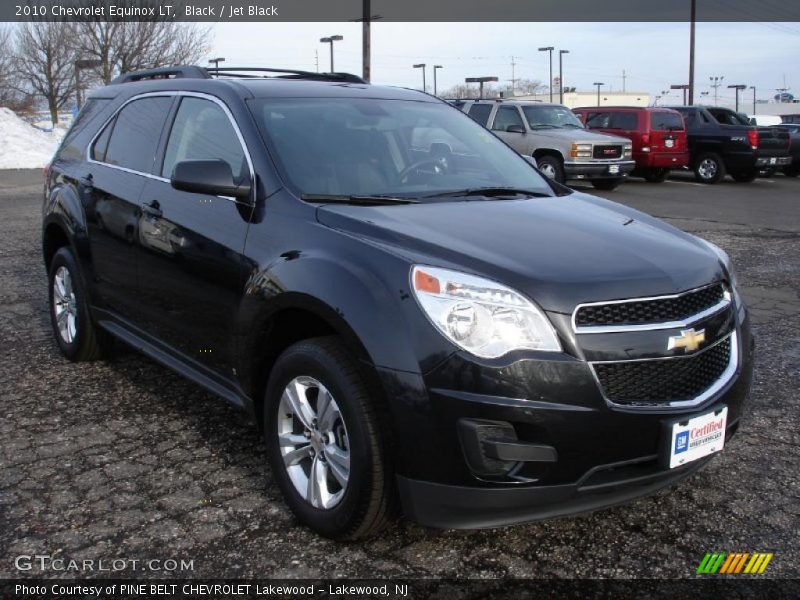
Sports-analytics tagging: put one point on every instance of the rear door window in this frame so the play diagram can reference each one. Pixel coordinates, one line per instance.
(137, 130)
(665, 121)
(480, 112)
(623, 120)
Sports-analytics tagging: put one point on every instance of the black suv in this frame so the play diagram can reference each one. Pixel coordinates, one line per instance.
(413, 315)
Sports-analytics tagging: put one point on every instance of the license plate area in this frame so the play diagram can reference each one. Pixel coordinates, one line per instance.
(690, 439)
(613, 169)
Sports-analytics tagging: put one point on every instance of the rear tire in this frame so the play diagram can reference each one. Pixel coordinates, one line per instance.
(606, 184)
(745, 176)
(709, 168)
(551, 167)
(78, 338)
(656, 175)
(324, 443)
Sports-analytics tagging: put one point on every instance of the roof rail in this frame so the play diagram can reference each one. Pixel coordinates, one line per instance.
(178, 72)
(252, 72)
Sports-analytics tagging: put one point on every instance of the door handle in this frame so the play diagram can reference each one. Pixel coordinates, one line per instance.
(152, 209)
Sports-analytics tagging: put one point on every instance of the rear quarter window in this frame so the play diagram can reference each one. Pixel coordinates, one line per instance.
(74, 144)
(624, 120)
(480, 113)
(665, 121)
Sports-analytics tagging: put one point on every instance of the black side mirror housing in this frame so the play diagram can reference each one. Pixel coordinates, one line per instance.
(212, 177)
(515, 129)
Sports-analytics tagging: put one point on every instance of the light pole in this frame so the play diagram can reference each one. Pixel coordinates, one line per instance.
(216, 62)
(657, 98)
(549, 50)
(738, 87)
(330, 40)
(434, 77)
(752, 87)
(692, 19)
(81, 64)
(681, 86)
(716, 81)
(480, 81)
(598, 84)
(422, 66)
(561, 54)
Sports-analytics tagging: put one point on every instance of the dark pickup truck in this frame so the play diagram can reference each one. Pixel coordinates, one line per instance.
(721, 141)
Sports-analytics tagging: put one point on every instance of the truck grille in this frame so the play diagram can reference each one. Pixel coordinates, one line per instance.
(655, 310)
(661, 381)
(607, 151)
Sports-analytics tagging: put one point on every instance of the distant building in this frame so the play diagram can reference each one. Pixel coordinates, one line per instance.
(576, 99)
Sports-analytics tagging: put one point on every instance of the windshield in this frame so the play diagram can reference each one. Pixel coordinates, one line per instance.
(548, 117)
(375, 147)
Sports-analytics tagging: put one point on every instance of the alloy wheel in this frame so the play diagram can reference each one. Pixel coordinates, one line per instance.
(548, 170)
(65, 306)
(313, 442)
(707, 168)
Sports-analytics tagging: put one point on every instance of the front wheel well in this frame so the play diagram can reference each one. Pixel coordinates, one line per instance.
(285, 328)
(540, 152)
(54, 238)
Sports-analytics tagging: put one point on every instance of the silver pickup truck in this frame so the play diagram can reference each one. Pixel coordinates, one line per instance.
(555, 137)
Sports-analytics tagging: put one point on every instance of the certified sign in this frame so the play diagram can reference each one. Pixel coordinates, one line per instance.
(697, 437)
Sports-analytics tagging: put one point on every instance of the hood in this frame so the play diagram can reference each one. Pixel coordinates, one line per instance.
(560, 251)
(580, 136)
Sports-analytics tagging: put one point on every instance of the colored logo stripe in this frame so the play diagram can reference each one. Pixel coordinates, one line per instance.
(734, 563)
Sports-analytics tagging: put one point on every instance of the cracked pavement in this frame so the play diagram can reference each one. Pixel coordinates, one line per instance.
(124, 459)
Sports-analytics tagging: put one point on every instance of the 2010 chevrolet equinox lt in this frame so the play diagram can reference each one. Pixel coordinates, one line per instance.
(414, 316)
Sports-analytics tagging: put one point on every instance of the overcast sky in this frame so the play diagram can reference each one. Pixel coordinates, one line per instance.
(654, 55)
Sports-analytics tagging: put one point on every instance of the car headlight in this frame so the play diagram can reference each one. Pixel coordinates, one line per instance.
(581, 151)
(483, 317)
(726, 262)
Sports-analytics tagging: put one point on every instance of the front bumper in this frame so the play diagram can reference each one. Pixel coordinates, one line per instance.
(605, 454)
(598, 169)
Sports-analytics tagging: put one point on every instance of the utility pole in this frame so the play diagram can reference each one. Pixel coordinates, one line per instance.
(624, 76)
(691, 51)
(716, 81)
(549, 50)
(366, 41)
(561, 54)
(434, 78)
(316, 59)
(752, 87)
(513, 78)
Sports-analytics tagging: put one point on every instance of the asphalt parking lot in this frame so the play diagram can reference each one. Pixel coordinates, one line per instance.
(124, 459)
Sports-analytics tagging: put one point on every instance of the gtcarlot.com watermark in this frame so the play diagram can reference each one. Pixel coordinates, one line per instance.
(41, 563)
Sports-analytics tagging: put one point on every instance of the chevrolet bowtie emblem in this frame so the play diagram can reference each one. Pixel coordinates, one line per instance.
(689, 340)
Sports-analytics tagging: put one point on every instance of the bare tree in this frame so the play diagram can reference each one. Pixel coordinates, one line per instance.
(45, 61)
(127, 46)
(6, 65)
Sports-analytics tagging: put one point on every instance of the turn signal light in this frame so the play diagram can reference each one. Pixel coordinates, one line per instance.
(423, 282)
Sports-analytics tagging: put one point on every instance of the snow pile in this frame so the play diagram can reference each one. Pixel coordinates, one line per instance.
(22, 146)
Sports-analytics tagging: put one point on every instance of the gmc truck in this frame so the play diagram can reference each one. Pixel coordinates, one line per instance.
(722, 141)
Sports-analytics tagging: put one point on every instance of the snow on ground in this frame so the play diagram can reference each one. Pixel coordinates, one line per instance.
(23, 146)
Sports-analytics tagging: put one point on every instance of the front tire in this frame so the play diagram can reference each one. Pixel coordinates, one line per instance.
(324, 442)
(606, 184)
(709, 168)
(551, 167)
(76, 335)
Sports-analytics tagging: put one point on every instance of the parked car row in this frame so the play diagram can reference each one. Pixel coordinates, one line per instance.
(605, 145)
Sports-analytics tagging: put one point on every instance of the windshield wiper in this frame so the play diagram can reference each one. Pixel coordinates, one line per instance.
(360, 200)
(490, 192)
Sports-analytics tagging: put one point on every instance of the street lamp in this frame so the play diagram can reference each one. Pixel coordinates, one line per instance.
(681, 86)
(480, 81)
(738, 87)
(598, 84)
(657, 98)
(421, 66)
(752, 87)
(715, 83)
(216, 62)
(81, 64)
(434, 77)
(561, 54)
(549, 49)
(330, 40)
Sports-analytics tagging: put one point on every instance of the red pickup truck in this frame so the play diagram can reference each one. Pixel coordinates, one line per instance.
(658, 136)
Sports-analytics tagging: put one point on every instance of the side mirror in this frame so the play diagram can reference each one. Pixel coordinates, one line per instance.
(531, 160)
(212, 177)
(515, 129)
